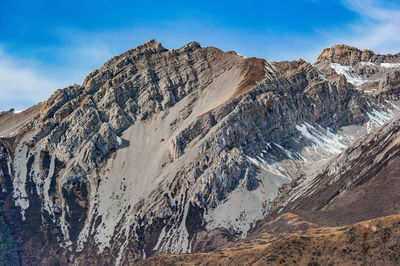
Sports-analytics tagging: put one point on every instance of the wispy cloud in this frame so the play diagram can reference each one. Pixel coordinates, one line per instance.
(22, 85)
(376, 27)
(379, 25)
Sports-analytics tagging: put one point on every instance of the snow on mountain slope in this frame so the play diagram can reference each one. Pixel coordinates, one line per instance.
(373, 73)
(349, 73)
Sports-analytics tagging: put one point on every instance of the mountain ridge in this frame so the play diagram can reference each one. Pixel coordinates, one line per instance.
(345, 54)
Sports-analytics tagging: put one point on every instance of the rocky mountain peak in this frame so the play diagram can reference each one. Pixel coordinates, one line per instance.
(348, 55)
(151, 44)
(344, 54)
(375, 73)
(146, 49)
(287, 68)
(190, 46)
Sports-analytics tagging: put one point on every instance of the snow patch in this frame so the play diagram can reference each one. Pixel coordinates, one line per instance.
(19, 182)
(160, 238)
(270, 70)
(48, 204)
(368, 64)
(18, 111)
(322, 76)
(267, 167)
(349, 73)
(378, 117)
(183, 234)
(290, 154)
(322, 138)
(390, 65)
(144, 254)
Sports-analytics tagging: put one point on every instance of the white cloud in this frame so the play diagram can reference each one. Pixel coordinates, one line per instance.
(379, 28)
(84, 50)
(21, 85)
(24, 83)
(377, 10)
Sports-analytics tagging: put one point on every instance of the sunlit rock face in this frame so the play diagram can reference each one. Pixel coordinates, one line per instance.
(180, 150)
(375, 74)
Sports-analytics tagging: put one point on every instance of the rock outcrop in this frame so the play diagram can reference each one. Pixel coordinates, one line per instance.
(364, 70)
(348, 55)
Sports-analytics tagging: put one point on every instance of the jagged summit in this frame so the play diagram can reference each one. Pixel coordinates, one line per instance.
(190, 46)
(374, 73)
(349, 55)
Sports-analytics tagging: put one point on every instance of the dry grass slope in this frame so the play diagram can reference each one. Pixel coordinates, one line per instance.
(373, 242)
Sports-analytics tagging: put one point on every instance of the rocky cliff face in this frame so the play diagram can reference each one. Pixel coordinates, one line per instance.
(178, 150)
(348, 55)
(376, 74)
(359, 184)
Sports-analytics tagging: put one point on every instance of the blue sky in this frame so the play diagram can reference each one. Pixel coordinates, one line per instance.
(46, 45)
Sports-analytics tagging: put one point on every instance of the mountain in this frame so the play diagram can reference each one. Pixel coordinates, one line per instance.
(374, 73)
(193, 149)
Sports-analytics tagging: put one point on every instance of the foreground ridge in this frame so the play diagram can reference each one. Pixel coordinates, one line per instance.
(368, 242)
